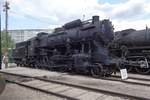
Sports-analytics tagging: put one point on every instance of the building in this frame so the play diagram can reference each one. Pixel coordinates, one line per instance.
(24, 34)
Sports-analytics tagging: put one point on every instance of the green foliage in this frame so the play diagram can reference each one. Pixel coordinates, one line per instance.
(7, 42)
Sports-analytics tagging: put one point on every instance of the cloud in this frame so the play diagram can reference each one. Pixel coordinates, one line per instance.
(129, 14)
(129, 10)
(136, 24)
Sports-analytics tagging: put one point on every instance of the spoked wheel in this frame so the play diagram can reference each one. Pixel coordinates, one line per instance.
(37, 65)
(97, 71)
(144, 66)
(142, 70)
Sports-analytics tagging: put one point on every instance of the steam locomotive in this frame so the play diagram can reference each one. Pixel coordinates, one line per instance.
(134, 46)
(89, 46)
(79, 46)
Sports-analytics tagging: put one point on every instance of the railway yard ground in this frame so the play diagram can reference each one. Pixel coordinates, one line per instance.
(35, 84)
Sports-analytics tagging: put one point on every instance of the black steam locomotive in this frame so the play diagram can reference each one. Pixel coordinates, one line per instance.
(134, 47)
(79, 46)
(88, 46)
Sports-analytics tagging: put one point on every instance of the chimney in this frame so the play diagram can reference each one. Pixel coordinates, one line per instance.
(95, 19)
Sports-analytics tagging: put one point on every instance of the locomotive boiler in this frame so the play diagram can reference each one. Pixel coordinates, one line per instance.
(133, 38)
(79, 46)
(134, 46)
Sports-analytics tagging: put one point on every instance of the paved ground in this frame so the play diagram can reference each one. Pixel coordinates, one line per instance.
(114, 86)
(16, 92)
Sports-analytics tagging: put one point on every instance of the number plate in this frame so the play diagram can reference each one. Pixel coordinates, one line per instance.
(124, 74)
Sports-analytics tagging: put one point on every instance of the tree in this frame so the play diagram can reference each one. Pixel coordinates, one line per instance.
(7, 42)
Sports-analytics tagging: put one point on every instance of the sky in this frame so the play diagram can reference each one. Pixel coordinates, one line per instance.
(33, 14)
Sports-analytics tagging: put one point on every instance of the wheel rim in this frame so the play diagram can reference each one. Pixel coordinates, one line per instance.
(142, 70)
(96, 71)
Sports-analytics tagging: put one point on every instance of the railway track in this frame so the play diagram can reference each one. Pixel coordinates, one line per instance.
(136, 78)
(133, 81)
(60, 88)
(130, 80)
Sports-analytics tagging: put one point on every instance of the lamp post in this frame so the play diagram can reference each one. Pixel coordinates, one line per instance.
(6, 8)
